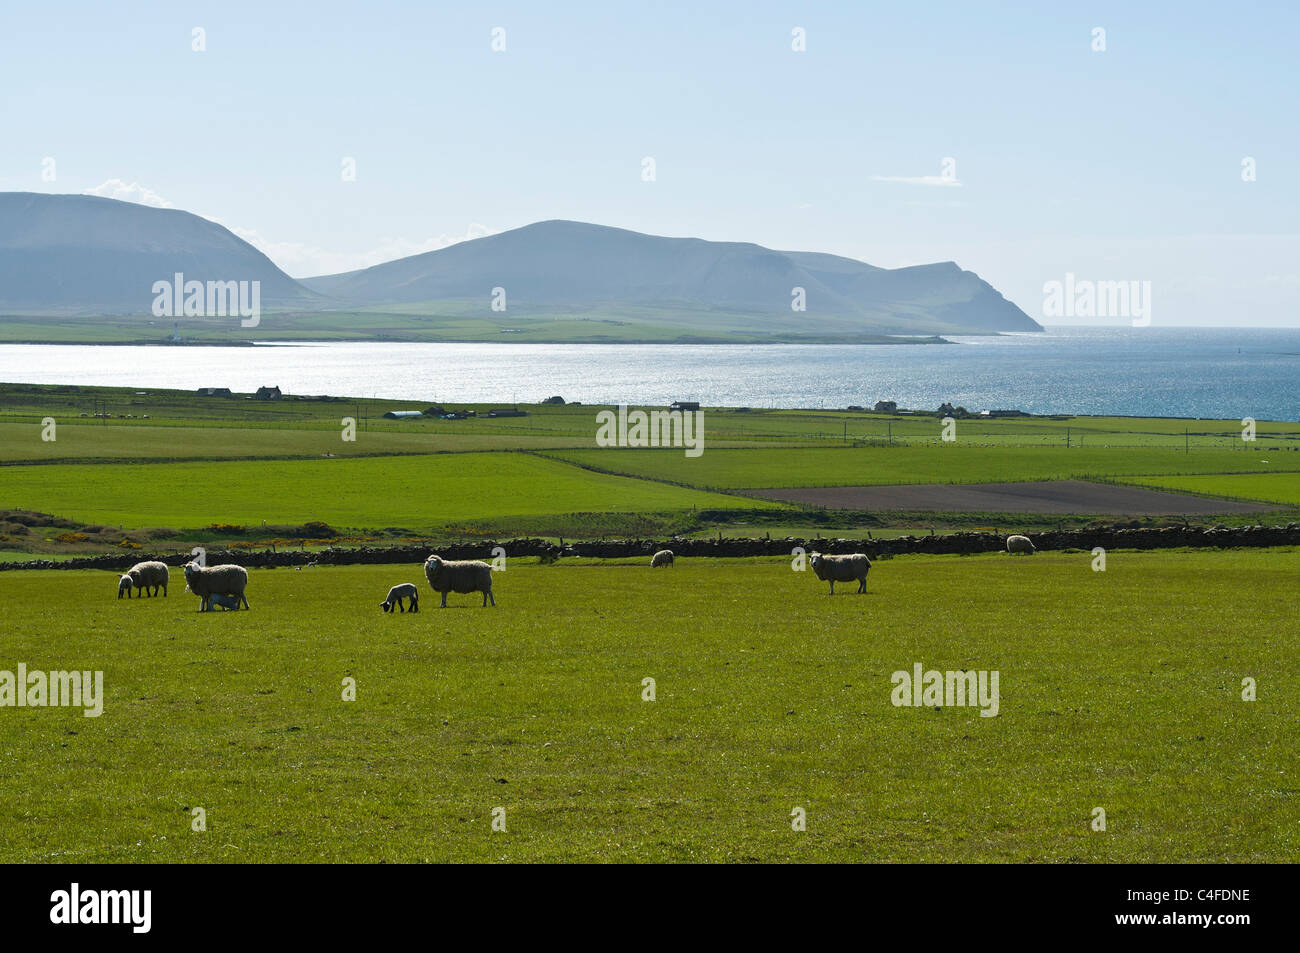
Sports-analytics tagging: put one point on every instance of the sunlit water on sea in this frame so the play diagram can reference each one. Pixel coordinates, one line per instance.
(1186, 372)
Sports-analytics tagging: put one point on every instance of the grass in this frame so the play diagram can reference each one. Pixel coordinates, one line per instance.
(415, 492)
(1265, 487)
(956, 463)
(770, 695)
(103, 443)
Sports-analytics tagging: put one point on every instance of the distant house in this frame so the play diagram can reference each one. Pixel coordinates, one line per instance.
(267, 393)
(886, 407)
(507, 412)
(684, 405)
(947, 410)
(404, 415)
(215, 392)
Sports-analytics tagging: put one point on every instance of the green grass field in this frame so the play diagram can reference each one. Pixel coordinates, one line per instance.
(1266, 487)
(411, 491)
(956, 463)
(1119, 690)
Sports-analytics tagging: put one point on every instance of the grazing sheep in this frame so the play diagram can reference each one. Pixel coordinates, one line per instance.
(226, 602)
(150, 575)
(229, 580)
(662, 558)
(841, 569)
(1020, 544)
(406, 590)
(124, 585)
(466, 575)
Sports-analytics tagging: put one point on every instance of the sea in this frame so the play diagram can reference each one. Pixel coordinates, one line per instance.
(1170, 372)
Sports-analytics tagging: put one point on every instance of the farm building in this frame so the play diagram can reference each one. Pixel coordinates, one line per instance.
(684, 405)
(267, 393)
(506, 412)
(404, 415)
(214, 392)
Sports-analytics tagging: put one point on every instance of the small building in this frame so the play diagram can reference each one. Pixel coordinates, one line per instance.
(214, 392)
(886, 407)
(507, 412)
(404, 415)
(267, 393)
(947, 410)
(684, 405)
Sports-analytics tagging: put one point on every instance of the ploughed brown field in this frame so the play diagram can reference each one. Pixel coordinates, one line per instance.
(1054, 496)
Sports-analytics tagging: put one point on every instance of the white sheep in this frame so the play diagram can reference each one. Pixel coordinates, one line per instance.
(662, 558)
(1020, 544)
(835, 569)
(124, 585)
(150, 576)
(406, 590)
(228, 580)
(466, 575)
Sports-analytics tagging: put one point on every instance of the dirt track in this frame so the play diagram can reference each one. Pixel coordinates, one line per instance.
(1059, 496)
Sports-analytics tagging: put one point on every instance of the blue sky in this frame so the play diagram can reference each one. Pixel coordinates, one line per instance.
(1123, 164)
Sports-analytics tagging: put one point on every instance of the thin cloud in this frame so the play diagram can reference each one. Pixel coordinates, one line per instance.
(135, 192)
(941, 180)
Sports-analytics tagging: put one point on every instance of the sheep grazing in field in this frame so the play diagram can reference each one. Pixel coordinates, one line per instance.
(150, 576)
(662, 558)
(1020, 544)
(835, 569)
(406, 590)
(466, 575)
(204, 582)
(226, 602)
(124, 586)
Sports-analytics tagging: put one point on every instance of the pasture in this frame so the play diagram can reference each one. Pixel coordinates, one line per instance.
(414, 491)
(1119, 689)
(781, 467)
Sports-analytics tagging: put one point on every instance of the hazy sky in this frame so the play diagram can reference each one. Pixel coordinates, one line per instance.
(1123, 164)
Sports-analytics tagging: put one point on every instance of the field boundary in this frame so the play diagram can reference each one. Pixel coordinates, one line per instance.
(1172, 537)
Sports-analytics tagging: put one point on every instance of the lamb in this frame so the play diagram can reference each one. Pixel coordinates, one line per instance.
(226, 602)
(841, 569)
(1020, 544)
(228, 580)
(124, 585)
(466, 575)
(662, 558)
(406, 590)
(150, 575)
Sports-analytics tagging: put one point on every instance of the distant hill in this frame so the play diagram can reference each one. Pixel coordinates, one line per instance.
(81, 254)
(559, 267)
(71, 256)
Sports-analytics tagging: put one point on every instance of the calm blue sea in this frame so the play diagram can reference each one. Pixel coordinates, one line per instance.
(1187, 372)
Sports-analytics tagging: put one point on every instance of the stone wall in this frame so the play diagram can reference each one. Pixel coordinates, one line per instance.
(1108, 538)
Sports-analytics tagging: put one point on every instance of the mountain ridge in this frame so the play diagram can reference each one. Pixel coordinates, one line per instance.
(87, 255)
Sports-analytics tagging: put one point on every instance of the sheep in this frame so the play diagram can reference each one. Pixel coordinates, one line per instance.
(662, 558)
(124, 585)
(406, 590)
(1020, 544)
(150, 575)
(229, 580)
(841, 569)
(226, 602)
(468, 575)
